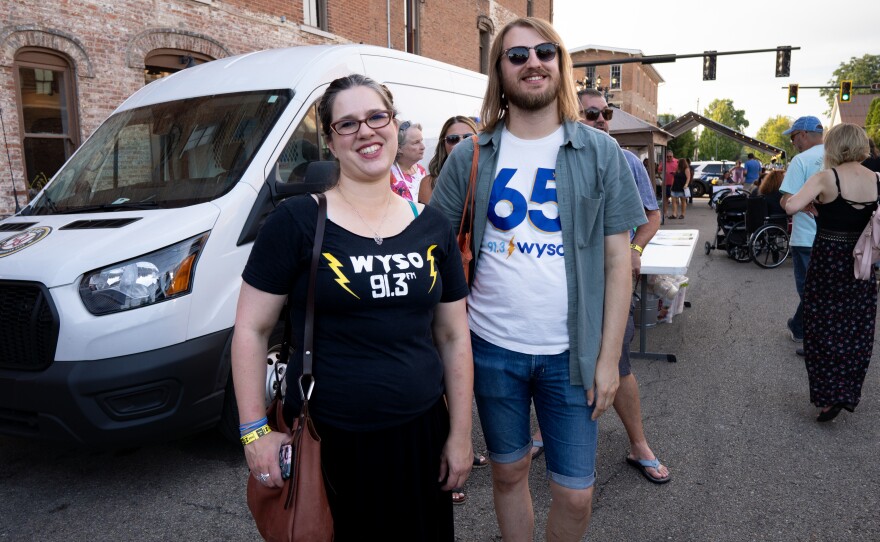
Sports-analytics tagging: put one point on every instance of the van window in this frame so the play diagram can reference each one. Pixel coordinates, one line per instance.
(306, 145)
(165, 155)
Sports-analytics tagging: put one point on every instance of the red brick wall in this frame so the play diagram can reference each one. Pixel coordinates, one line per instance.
(106, 41)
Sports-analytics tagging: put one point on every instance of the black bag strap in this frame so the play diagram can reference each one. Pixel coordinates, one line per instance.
(309, 335)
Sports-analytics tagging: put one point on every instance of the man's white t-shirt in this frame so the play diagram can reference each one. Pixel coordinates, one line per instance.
(519, 299)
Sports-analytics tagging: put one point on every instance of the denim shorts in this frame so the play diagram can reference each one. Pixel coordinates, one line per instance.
(505, 385)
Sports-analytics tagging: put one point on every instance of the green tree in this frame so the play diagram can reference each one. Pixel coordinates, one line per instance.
(862, 71)
(714, 146)
(771, 132)
(683, 145)
(872, 121)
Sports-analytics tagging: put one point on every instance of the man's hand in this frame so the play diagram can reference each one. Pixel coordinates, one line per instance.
(601, 395)
(636, 259)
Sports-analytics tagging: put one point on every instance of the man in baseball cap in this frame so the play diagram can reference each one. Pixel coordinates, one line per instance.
(806, 136)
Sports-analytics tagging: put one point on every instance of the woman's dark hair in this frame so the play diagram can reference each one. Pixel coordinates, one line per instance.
(325, 108)
(682, 165)
(440, 155)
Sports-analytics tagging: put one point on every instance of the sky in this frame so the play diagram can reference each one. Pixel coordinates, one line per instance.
(826, 37)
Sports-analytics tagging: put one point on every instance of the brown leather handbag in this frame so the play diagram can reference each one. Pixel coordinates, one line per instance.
(466, 226)
(298, 511)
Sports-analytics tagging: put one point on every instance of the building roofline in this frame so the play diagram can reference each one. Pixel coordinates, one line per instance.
(618, 50)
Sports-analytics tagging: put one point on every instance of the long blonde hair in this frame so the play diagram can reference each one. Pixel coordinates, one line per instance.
(495, 104)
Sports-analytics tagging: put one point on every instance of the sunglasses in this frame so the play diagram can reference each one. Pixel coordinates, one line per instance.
(592, 113)
(793, 135)
(519, 55)
(455, 138)
(379, 119)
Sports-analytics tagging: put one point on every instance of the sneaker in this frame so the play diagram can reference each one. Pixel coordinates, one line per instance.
(791, 333)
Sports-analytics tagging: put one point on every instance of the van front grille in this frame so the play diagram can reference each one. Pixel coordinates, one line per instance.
(28, 326)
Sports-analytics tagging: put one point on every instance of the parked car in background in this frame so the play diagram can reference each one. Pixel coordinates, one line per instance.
(705, 172)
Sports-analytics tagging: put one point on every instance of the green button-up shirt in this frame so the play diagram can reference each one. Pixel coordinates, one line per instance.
(597, 197)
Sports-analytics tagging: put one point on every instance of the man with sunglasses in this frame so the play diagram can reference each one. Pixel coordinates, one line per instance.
(554, 204)
(596, 113)
(806, 136)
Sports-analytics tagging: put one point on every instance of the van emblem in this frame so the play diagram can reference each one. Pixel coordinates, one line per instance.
(21, 241)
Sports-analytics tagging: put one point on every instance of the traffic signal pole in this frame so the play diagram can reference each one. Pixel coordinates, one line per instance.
(661, 59)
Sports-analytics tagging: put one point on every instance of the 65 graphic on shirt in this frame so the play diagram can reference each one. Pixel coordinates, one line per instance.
(505, 197)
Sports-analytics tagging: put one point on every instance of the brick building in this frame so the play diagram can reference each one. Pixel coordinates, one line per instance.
(66, 64)
(632, 87)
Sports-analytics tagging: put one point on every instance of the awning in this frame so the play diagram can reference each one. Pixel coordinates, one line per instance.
(690, 120)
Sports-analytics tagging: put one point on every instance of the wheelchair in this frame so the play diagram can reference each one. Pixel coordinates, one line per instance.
(748, 233)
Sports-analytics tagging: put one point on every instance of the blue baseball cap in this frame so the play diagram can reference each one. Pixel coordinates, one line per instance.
(805, 124)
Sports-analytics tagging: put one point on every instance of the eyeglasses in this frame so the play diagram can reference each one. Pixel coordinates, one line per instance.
(793, 135)
(519, 55)
(453, 139)
(378, 119)
(592, 113)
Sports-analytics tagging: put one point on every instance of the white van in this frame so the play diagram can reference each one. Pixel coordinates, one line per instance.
(119, 281)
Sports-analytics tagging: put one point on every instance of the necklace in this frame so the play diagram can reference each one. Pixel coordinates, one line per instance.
(376, 237)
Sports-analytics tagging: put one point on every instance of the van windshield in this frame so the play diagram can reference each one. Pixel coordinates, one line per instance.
(166, 155)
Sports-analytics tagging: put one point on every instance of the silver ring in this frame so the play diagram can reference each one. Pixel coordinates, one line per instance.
(264, 477)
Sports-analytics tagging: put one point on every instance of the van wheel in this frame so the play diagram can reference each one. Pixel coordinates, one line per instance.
(275, 372)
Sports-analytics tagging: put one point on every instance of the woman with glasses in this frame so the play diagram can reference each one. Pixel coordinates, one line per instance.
(407, 173)
(839, 310)
(390, 340)
(455, 129)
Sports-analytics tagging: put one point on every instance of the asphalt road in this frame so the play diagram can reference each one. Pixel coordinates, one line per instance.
(731, 419)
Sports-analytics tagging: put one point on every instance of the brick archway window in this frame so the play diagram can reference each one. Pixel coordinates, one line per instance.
(161, 63)
(47, 112)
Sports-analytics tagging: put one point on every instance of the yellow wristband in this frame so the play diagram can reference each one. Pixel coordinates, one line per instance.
(636, 247)
(255, 434)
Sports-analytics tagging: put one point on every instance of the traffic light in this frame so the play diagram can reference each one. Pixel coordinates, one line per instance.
(792, 93)
(709, 66)
(846, 90)
(783, 61)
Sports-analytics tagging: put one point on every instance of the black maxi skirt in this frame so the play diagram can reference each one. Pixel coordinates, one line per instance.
(839, 317)
(383, 485)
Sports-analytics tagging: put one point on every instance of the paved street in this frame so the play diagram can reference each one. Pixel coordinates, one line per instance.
(731, 419)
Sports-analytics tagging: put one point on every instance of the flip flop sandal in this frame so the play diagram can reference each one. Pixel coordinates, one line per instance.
(480, 461)
(459, 496)
(537, 449)
(644, 464)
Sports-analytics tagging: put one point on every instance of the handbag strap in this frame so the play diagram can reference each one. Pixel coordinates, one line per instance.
(467, 215)
(309, 334)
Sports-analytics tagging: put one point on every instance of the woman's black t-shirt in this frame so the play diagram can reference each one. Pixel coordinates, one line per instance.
(375, 363)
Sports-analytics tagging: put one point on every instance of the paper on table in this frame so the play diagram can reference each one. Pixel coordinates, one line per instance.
(672, 238)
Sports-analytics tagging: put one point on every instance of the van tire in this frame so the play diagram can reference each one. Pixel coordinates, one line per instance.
(229, 422)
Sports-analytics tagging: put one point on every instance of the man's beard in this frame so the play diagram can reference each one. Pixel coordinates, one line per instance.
(529, 101)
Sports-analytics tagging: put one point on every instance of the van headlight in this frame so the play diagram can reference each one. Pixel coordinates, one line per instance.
(164, 274)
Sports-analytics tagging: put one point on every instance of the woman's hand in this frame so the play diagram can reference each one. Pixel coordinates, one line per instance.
(456, 461)
(263, 458)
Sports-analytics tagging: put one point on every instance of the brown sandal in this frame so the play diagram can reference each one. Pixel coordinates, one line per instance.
(459, 496)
